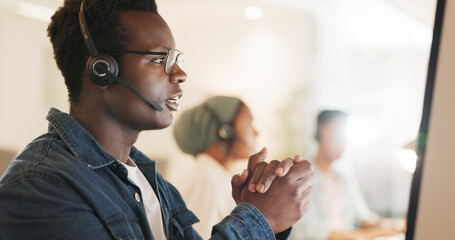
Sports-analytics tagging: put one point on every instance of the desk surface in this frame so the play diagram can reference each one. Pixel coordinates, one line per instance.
(400, 236)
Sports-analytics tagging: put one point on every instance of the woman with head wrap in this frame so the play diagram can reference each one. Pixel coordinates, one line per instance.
(217, 133)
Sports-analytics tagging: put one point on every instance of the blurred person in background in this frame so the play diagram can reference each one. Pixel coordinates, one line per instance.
(338, 209)
(218, 133)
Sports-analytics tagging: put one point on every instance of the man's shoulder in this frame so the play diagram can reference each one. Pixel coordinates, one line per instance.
(43, 157)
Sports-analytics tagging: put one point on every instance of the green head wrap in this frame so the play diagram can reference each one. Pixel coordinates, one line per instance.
(197, 128)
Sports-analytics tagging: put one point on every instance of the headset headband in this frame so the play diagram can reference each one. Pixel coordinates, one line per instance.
(224, 130)
(86, 34)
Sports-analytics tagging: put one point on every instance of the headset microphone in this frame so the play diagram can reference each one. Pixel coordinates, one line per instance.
(102, 69)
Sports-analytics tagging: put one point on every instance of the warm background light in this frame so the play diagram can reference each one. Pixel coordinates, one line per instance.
(408, 159)
(253, 12)
(360, 131)
(368, 58)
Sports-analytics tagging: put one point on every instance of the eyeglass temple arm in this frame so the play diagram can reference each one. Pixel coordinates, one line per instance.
(138, 52)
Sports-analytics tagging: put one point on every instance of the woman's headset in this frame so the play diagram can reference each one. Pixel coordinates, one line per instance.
(225, 130)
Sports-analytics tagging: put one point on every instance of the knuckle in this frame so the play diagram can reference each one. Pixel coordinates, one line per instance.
(268, 179)
(289, 180)
(305, 207)
(301, 204)
(262, 165)
(307, 192)
(307, 164)
(274, 162)
(294, 194)
(234, 180)
(300, 210)
(310, 189)
(268, 175)
(255, 155)
(298, 215)
(287, 162)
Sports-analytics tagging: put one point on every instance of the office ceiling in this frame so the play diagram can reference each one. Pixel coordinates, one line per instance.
(423, 10)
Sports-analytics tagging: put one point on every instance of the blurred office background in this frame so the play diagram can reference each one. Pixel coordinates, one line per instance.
(287, 59)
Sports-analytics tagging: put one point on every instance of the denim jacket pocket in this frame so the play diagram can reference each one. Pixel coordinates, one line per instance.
(180, 220)
(122, 227)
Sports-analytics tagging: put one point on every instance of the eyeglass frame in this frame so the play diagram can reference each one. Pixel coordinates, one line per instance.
(179, 53)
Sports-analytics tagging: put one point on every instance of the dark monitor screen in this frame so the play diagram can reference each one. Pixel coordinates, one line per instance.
(431, 213)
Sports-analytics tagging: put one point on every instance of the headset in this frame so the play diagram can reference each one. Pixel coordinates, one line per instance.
(102, 69)
(225, 130)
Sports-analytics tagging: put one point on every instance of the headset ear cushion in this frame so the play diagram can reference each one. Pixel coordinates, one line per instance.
(102, 79)
(226, 132)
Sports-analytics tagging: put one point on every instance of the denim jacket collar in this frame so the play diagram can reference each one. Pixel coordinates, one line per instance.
(81, 143)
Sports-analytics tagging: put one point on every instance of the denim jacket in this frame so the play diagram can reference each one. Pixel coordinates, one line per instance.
(63, 185)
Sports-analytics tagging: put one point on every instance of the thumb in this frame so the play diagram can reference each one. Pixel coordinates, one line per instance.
(257, 158)
(298, 159)
(237, 182)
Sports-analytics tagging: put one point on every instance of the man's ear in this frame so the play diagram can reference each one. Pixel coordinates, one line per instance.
(89, 86)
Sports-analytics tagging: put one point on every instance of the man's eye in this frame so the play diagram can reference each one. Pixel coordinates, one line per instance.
(159, 60)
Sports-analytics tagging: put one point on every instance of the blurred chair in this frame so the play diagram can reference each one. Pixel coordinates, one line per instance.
(6, 156)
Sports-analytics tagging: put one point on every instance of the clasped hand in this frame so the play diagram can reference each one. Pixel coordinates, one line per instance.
(279, 190)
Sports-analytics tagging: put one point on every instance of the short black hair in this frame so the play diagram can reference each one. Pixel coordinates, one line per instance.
(326, 116)
(103, 20)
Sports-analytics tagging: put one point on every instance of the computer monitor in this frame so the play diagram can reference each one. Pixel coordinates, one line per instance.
(431, 213)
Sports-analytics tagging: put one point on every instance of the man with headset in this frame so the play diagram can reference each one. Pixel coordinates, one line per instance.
(84, 179)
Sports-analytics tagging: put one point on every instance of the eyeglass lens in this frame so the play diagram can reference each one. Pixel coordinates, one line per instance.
(173, 56)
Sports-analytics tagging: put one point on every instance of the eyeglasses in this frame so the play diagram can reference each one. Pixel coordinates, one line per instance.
(173, 56)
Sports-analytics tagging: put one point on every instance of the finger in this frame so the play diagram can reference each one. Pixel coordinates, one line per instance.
(240, 179)
(305, 201)
(284, 166)
(257, 158)
(267, 177)
(237, 182)
(298, 158)
(300, 170)
(305, 182)
(258, 171)
(306, 195)
(306, 207)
